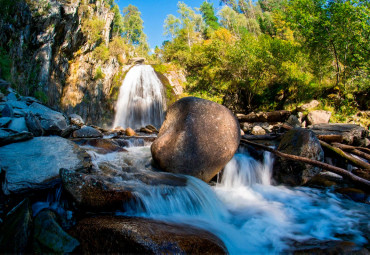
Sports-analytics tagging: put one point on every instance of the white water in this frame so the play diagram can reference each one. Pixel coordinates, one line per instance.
(140, 100)
(248, 214)
(244, 210)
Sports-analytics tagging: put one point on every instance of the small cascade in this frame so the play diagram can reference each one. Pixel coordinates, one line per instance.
(243, 170)
(141, 99)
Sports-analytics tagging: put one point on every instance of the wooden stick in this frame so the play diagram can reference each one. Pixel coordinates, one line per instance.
(355, 161)
(352, 150)
(334, 169)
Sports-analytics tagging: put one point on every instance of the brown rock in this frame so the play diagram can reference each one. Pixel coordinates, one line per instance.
(311, 105)
(107, 234)
(198, 138)
(130, 132)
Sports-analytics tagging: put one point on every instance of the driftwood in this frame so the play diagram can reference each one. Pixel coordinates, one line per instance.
(261, 137)
(276, 116)
(353, 160)
(344, 173)
(352, 150)
(331, 138)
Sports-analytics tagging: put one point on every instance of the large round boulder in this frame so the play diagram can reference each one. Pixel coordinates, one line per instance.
(299, 142)
(198, 138)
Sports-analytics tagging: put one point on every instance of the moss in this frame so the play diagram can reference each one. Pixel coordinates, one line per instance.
(160, 70)
(99, 74)
(116, 84)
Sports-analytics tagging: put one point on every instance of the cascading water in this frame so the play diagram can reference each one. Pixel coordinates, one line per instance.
(140, 100)
(247, 213)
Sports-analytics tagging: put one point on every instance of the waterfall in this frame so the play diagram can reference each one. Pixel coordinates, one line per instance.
(141, 100)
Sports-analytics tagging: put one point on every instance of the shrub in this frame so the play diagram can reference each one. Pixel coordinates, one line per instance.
(101, 53)
(93, 29)
(99, 74)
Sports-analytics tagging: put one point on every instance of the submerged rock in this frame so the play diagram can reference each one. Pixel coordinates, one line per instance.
(49, 237)
(107, 234)
(299, 142)
(198, 138)
(35, 164)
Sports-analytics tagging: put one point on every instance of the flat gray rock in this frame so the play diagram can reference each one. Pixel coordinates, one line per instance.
(35, 164)
(18, 124)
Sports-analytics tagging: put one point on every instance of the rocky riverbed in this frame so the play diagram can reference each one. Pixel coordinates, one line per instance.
(66, 187)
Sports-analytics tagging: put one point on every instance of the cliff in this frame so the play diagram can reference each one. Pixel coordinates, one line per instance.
(64, 53)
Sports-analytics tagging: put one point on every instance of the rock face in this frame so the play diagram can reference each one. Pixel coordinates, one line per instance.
(198, 138)
(53, 56)
(300, 142)
(318, 117)
(35, 164)
(143, 236)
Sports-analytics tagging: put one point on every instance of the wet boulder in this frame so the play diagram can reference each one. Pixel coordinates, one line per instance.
(143, 236)
(52, 122)
(87, 132)
(35, 164)
(299, 142)
(198, 138)
(16, 231)
(49, 237)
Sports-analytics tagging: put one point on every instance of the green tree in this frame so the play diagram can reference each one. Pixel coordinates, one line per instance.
(132, 24)
(171, 26)
(209, 16)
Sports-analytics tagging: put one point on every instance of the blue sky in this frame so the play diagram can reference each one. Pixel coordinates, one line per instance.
(154, 12)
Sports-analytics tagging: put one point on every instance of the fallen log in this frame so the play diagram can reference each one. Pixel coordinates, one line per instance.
(352, 150)
(342, 172)
(331, 138)
(353, 160)
(261, 137)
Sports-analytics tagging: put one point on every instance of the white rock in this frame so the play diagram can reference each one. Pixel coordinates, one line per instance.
(318, 117)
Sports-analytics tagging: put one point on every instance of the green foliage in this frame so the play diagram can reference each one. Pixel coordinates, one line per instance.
(171, 26)
(99, 73)
(40, 95)
(93, 29)
(5, 65)
(133, 24)
(101, 53)
(117, 46)
(116, 84)
(118, 26)
(209, 16)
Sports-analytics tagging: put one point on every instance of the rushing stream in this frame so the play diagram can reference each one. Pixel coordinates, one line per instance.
(140, 100)
(243, 209)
